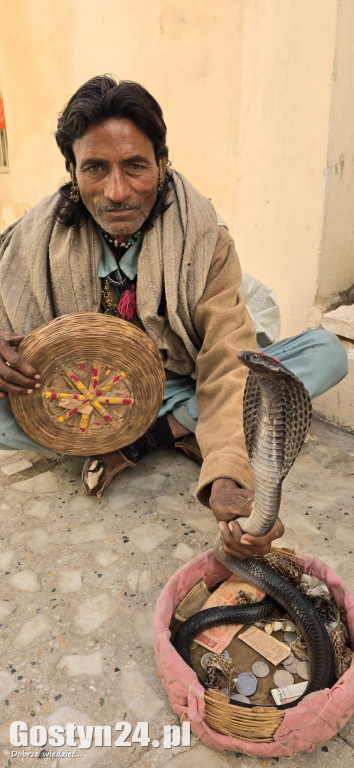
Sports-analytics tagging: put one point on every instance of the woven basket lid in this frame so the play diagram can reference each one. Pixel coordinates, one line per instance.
(102, 384)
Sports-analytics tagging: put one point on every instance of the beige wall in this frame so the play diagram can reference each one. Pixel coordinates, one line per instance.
(336, 263)
(254, 95)
(288, 53)
(177, 50)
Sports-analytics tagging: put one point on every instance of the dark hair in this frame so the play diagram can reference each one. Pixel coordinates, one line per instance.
(102, 98)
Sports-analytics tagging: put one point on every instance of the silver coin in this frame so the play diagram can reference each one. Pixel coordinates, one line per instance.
(225, 690)
(260, 669)
(246, 683)
(289, 660)
(292, 667)
(239, 697)
(289, 637)
(282, 678)
(204, 660)
(226, 654)
(303, 669)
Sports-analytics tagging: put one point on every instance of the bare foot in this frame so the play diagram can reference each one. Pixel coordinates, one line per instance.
(177, 429)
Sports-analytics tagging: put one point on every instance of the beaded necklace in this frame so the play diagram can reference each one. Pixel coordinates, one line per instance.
(125, 307)
(117, 243)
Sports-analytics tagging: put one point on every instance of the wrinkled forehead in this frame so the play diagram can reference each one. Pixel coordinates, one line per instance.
(117, 137)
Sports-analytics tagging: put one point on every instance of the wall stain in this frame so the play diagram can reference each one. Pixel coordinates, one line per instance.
(339, 166)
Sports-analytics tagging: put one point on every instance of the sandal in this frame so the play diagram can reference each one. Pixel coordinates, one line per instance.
(99, 471)
(190, 446)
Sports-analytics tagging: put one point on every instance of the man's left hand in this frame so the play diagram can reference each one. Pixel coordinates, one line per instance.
(228, 502)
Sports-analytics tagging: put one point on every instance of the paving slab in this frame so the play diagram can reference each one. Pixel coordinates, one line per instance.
(79, 578)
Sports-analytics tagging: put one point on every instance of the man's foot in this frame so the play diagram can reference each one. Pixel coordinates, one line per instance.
(99, 471)
(185, 439)
(177, 429)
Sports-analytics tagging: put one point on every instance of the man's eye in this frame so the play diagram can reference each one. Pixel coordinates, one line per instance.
(136, 166)
(94, 168)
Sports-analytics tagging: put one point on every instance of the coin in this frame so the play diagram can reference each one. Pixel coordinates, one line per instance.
(226, 654)
(239, 697)
(204, 660)
(291, 667)
(289, 660)
(282, 678)
(193, 645)
(303, 669)
(289, 637)
(246, 683)
(260, 669)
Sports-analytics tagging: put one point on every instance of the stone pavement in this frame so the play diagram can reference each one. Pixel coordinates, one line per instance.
(80, 577)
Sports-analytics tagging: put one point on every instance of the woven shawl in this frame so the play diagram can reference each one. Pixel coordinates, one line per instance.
(47, 270)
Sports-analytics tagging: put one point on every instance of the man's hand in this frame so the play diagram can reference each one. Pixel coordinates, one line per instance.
(15, 374)
(228, 502)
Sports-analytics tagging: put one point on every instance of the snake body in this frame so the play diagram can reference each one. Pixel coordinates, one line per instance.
(277, 415)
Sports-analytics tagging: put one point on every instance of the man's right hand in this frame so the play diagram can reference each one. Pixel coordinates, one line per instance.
(15, 374)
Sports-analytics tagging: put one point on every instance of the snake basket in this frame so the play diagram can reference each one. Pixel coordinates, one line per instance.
(263, 731)
(101, 387)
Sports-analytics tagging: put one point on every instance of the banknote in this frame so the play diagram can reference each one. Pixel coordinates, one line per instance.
(218, 638)
(289, 693)
(192, 602)
(272, 650)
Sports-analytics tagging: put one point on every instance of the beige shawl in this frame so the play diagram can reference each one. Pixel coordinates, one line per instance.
(47, 270)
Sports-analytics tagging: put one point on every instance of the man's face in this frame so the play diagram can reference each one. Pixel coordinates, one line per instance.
(117, 175)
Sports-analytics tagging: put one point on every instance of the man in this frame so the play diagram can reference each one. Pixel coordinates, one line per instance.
(130, 235)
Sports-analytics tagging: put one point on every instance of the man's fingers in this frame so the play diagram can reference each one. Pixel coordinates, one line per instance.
(241, 545)
(228, 532)
(261, 542)
(10, 337)
(231, 533)
(12, 360)
(25, 387)
(14, 380)
(16, 375)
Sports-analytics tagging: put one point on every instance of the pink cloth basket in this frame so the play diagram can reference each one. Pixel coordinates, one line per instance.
(318, 716)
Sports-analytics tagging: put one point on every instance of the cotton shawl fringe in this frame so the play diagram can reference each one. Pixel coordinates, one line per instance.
(47, 270)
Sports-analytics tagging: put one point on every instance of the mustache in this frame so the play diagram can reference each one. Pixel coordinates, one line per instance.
(111, 207)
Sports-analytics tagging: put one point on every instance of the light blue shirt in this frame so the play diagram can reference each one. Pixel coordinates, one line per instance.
(128, 264)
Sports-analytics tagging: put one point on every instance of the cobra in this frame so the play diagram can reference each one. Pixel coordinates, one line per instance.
(277, 416)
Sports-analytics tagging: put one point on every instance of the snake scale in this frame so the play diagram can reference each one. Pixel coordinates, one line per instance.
(276, 416)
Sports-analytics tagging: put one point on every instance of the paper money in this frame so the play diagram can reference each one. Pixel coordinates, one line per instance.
(218, 638)
(289, 693)
(267, 646)
(192, 602)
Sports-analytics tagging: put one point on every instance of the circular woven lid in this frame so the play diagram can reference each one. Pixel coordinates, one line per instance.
(102, 384)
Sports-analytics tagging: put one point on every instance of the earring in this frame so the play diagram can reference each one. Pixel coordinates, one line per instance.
(74, 192)
(161, 177)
